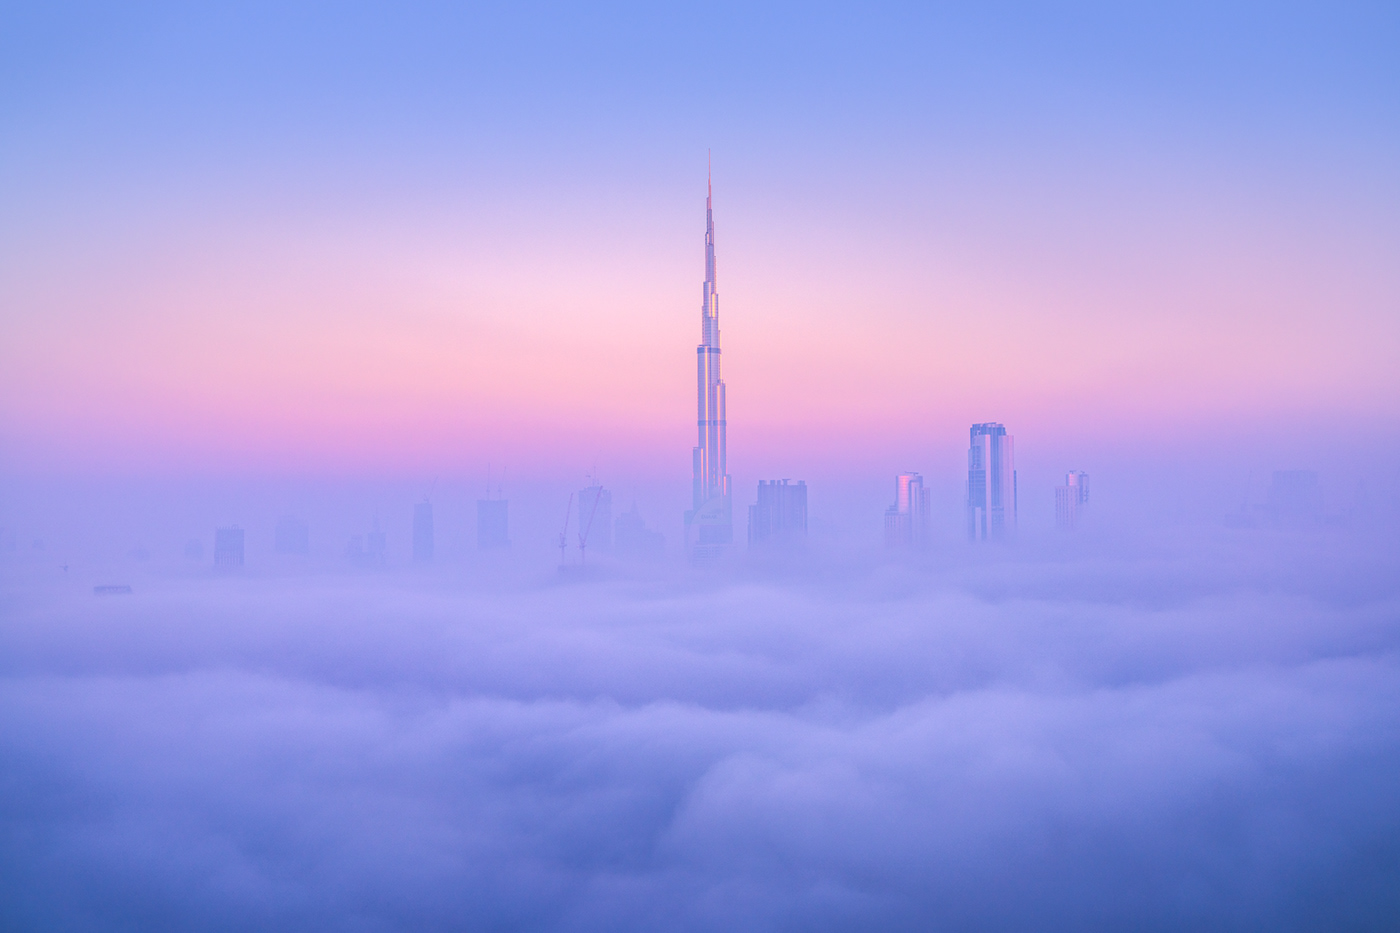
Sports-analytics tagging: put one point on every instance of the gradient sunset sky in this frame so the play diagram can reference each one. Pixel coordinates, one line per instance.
(406, 237)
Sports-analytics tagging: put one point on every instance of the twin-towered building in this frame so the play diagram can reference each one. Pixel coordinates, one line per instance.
(991, 483)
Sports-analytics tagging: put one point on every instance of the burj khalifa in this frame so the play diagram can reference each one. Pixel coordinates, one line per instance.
(709, 526)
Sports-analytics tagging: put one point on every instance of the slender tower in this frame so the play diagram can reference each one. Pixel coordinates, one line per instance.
(709, 525)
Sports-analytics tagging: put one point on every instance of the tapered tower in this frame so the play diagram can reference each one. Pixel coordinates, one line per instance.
(709, 524)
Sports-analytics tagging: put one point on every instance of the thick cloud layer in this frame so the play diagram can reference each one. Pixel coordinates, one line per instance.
(1201, 733)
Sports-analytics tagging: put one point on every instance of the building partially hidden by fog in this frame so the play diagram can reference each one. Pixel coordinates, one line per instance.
(907, 521)
(595, 524)
(423, 532)
(1071, 499)
(228, 547)
(371, 550)
(1295, 497)
(492, 526)
(292, 536)
(991, 483)
(780, 515)
(633, 540)
(709, 524)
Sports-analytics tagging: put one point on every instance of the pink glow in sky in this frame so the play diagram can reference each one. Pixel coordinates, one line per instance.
(457, 334)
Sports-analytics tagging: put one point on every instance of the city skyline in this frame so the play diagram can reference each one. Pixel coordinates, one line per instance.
(350, 573)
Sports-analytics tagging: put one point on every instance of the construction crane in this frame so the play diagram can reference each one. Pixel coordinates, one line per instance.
(583, 535)
(564, 534)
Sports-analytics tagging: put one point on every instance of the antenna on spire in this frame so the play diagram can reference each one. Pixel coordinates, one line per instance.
(709, 186)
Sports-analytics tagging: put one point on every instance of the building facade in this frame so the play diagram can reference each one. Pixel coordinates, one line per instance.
(228, 547)
(907, 521)
(1071, 499)
(991, 483)
(709, 523)
(780, 515)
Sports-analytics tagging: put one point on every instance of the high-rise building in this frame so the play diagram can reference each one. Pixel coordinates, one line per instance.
(991, 483)
(780, 515)
(633, 540)
(491, 524)
(1071, 499)
(423, 532)
(709, 524)
(292, 536)
(906, 522)
(228, 547)
(595, 519)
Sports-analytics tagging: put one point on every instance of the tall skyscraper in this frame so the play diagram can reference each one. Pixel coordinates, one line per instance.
(906, 522)
(595, 519)
(228, 547)
(780, 515)
(1071, 499)
(423, 532)
(491, 524)
(709, 525)
(991, 483)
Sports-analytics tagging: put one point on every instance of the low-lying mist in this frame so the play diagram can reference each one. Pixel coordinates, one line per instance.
(1187, 728)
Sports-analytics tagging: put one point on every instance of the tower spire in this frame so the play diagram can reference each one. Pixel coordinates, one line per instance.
(709, 525)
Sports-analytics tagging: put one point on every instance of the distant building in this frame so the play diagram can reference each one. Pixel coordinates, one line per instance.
(369, 550)
(423, 532)
(780, 515)
(633, 540)
(491, 523)
(228, 547)
(906, 522)
(1071, 499)
(1295, 497)
(292, 536)
(595, 522)
(991, 483)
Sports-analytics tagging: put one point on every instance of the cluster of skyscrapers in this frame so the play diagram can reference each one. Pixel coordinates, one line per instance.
(781, 511)
(779, 516)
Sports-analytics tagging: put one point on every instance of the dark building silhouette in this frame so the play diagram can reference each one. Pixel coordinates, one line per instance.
(491, 523)
(780, 515)
(633, 540)
(423, 532)
(228, 547)
(292, 536)
(1071, 499)
(906, 522)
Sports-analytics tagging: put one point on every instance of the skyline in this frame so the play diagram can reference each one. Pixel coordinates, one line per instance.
(346, 399)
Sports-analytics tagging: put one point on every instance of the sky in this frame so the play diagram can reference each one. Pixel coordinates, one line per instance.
(419, 239)
(328, 261)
